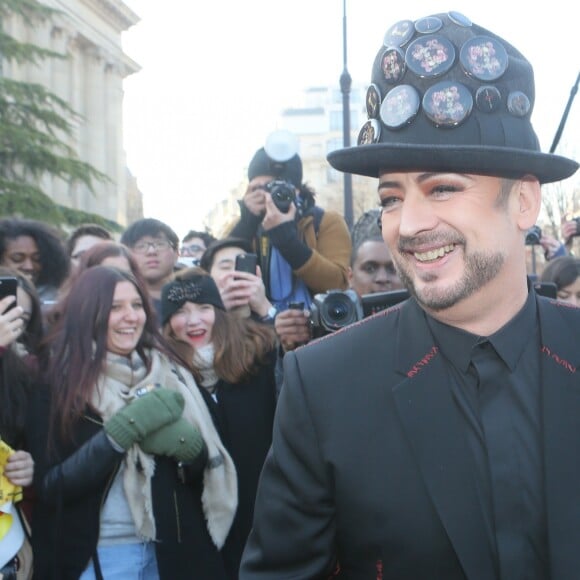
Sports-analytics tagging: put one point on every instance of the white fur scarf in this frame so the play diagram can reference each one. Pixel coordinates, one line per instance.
(121, 377)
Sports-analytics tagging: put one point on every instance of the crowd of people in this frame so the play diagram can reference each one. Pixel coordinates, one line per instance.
(158, 420)
(141, 376)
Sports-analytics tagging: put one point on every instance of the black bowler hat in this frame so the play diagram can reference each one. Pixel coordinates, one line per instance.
(448, 95)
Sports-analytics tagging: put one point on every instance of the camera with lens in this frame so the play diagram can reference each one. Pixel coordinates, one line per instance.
(283, 194)
(333, 310)
(533, 236)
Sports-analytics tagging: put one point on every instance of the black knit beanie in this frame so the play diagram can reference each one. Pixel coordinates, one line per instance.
(198, 289)
(290, 170)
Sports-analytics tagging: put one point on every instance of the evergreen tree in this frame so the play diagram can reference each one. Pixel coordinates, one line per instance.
(33, 123)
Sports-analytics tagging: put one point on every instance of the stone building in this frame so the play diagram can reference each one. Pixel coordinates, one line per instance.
(90, 80)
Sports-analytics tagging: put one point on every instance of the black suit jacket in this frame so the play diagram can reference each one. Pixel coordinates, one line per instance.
(370, 466)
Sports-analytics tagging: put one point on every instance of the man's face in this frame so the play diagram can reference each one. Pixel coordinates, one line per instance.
(155, 257)
(449, 234)
(192, 248)
(83, 244)
(373, 269)
(224, 261)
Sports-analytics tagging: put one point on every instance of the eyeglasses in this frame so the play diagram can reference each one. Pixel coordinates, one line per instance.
(157, 245)
(192, 249)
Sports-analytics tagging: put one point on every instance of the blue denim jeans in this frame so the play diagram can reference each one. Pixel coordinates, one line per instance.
(125, 562)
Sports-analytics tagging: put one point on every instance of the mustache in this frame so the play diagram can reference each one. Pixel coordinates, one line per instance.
(413, 243)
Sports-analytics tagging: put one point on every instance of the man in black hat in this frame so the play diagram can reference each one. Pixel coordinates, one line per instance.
(302, 249)
(438, 439)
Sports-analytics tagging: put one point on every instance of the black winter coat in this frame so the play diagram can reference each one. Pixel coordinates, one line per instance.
(244, 414)
(72, 482)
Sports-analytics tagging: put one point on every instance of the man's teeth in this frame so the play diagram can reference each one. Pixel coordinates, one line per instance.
(433, 254)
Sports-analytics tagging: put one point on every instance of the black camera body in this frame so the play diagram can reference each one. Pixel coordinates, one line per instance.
(333, 310)
(336, 309)
(533, 236)
(283, 194)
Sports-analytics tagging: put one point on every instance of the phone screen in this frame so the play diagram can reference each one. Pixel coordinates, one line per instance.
(8, 285)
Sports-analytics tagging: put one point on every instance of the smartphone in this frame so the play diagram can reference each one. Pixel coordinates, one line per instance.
(247, 263)
(547, 289)
(8, 285)
(296, 305)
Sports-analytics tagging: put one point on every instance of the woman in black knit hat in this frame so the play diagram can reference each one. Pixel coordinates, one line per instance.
(234, 360)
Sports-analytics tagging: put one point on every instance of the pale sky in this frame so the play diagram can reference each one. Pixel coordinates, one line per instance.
(216, 75)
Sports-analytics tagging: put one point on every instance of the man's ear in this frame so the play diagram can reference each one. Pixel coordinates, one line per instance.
(529, 201)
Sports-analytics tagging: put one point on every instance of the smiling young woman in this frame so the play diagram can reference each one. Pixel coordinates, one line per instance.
(125, 447)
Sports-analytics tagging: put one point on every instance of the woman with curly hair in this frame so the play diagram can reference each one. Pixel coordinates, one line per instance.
(234, 360)
(36, 251)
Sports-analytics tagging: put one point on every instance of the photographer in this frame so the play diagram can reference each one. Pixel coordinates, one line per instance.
(302, 250)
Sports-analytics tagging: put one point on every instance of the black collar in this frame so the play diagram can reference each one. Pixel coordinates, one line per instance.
(509, 341)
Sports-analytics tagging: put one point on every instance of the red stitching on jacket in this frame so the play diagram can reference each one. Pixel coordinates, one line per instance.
(418, 366)
(557, 359)
(379, 570)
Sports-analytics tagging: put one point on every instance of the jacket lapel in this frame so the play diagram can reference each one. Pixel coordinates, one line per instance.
(560, 362)
(433, 425)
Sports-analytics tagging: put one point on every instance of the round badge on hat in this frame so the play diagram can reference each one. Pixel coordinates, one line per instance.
(488, 99)
(399, 34)
(484, 58)
(428, 25)
(518, 104)
(430, 56)
(369, 133)
(393, 65)
(447, 104)
(373, 101)
(281, 145)
(400, 106)
(459, 18)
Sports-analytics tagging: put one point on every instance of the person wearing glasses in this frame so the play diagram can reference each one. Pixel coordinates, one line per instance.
(154, 245)
(194, 244)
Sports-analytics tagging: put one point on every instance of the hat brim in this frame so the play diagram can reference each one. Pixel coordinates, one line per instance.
(374, 158)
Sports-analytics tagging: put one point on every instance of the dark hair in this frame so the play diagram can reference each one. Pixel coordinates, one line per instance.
(94, 256)
(78, 344)
(563, 271)
(148, 227)
(240, 344)
(54, 260)
(32, 336)
(94, 230)
(205, 236)
(208, 256)
(356, 249)
(17, 372)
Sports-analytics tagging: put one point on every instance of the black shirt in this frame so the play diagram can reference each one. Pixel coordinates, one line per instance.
(495, 382)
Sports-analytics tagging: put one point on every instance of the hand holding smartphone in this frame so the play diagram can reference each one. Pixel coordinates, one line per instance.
(8, 286)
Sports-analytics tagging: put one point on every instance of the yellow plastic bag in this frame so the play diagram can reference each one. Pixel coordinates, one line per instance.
(8, 491)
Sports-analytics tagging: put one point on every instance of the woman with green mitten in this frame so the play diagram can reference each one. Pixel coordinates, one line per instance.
(131, 476)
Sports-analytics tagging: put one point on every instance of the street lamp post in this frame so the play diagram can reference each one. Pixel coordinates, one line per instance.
(345, 84)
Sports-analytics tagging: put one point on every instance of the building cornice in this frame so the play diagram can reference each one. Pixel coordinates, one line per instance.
(116, 11)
